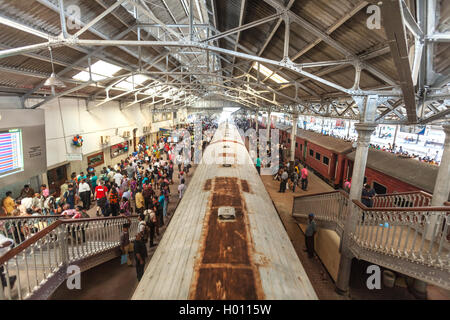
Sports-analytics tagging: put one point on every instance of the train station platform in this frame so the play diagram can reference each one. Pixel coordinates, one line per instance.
(110, 280)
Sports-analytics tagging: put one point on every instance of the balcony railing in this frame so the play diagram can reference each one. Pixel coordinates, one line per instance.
(44, 257)
(403, 199)
(23, 227)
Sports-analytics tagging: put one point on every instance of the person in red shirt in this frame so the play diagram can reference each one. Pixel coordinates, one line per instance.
(100, 195)
(304, 173)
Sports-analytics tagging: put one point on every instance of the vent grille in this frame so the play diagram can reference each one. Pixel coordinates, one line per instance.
(226, 214)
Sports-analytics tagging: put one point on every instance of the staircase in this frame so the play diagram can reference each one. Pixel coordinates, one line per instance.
(391, 234)
(47, 246)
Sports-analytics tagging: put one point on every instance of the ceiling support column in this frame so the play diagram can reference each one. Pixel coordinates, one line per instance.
(365, 131)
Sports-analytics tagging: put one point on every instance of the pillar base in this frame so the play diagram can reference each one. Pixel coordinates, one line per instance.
(340, 292)
(418, 289)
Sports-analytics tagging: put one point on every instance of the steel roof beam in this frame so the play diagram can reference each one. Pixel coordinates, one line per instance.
(395, 31)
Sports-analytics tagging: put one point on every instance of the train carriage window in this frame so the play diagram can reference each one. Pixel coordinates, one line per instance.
(326, 161)
(379, 188)
(318, 156)
(311, 152)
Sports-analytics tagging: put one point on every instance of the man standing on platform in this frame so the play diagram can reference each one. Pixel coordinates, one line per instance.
(258, 164)
(311, 230)
(304, 179)
(284, 179)
(140, 253)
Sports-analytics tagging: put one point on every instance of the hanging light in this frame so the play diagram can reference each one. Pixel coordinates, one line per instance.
(53, 81)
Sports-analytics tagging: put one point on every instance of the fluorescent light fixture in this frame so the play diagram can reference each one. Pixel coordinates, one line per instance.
(269, 73)
(100, 71)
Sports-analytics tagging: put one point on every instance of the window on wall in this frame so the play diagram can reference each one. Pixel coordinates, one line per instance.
(326, 161)
(317, 156)
(311, 152)
(296, 144)
(301, 147)
(289, 140)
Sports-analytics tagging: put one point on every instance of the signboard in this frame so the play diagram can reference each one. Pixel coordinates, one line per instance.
(74, 157)
(96, 159)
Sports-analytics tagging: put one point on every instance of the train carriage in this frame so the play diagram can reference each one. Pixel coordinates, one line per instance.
(332, 159)
(225, 240)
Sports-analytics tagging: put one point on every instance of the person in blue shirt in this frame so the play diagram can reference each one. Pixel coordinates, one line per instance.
(93, 180)
(258, 165)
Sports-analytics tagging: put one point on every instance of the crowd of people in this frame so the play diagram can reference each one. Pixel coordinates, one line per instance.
(405, 154)
(290, 179)
(138, 184)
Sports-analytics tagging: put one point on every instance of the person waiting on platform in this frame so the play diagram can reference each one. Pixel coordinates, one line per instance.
(294, 179)
(311, 230)
(258, 164)
(140, 254)
(304, 178)
(348, 184)
(367, 196)
(284, 180)
(125, 245)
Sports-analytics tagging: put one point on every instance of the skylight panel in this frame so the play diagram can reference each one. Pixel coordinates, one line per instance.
(104, 68)
(100, 71)
(269, 73)
(84, 76)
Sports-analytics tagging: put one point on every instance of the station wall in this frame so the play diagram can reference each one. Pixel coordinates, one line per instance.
(67, 117)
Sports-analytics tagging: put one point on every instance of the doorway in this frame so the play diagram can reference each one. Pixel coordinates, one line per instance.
(56, 178)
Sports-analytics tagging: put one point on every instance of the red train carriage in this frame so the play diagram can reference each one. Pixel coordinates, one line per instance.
(324, 154)
(390, 173)
(332, 159)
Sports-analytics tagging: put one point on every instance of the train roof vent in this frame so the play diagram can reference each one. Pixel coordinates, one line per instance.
(226, 214)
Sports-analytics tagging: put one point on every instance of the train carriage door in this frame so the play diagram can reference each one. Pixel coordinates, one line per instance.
(304, 150)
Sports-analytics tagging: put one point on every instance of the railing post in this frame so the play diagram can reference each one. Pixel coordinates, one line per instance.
(63, 245)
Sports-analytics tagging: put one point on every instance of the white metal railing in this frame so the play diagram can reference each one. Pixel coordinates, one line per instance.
(23, 227)
(418, 238)
(403, 200)
(403, 233)
(328, 206)
(35, 261)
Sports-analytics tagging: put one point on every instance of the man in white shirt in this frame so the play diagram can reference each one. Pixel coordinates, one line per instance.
(84, 191)
(118, 178)
(111, 175)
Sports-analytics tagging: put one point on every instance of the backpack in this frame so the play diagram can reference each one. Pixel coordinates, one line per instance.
(146, 230)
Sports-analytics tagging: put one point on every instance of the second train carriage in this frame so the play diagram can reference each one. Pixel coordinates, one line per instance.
(225, 240)
(333, 158)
